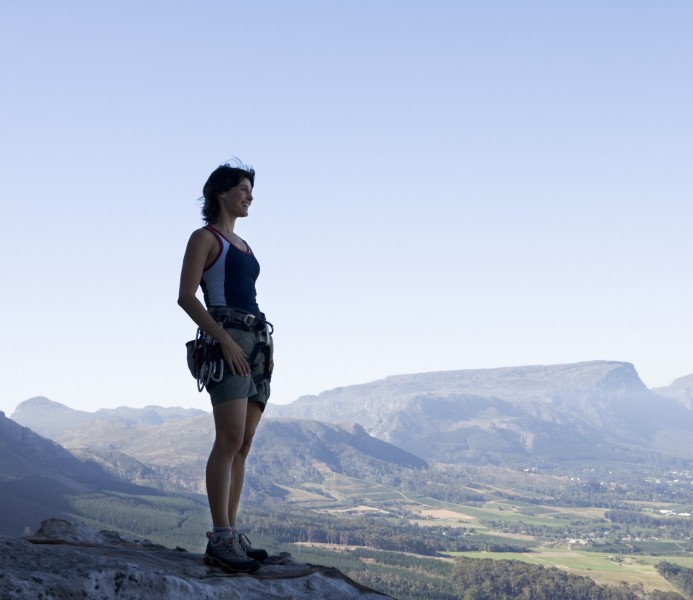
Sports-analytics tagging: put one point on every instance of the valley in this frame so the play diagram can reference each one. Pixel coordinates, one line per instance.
(579, 539)
(361, 526)
(551, 478)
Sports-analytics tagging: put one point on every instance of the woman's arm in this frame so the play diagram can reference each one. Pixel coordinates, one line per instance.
(201, 246)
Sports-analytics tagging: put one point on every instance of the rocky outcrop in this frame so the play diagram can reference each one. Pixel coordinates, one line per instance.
(66, 560)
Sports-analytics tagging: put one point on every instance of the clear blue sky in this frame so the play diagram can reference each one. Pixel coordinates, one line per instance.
(443, 185)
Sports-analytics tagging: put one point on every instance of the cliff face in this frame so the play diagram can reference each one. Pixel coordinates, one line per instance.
(67, 560)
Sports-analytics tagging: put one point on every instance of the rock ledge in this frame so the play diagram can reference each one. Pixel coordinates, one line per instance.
(66, 560)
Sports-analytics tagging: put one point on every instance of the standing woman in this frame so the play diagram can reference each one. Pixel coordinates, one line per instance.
(223, 264)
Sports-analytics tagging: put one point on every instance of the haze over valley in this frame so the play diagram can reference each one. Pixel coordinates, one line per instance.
(525, 463)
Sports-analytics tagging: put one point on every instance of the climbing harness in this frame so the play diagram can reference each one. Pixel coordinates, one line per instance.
(205, 357)
(231, 318)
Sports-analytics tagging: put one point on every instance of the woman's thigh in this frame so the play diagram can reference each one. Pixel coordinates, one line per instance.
(230, 421)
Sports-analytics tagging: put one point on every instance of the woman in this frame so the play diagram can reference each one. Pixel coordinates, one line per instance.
(223, 264)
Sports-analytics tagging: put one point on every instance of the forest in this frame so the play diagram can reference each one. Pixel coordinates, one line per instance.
(487, 579)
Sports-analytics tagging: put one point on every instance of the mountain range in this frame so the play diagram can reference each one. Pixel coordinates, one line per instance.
(52, 419)
(583, 411)
(175, 450)
(536, 415)
(37, 475)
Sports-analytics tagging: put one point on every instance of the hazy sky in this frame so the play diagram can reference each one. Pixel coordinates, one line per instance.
(441, 185)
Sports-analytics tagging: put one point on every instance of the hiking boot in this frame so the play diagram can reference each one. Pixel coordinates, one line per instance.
(227, 553)
(257, 553)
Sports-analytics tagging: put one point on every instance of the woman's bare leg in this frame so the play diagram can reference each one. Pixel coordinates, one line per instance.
(229, 424)
(252, 418)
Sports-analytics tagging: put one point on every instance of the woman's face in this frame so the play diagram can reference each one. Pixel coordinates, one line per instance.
(237, 200)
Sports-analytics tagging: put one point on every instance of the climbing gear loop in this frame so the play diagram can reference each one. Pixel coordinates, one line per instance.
(206, 358)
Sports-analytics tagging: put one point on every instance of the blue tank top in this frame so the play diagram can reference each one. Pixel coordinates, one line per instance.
(230, 279)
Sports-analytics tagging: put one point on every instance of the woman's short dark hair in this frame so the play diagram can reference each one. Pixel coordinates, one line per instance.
(222, 179)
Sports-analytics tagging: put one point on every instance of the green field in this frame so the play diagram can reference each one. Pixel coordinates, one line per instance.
(351, 495)
(603, 568)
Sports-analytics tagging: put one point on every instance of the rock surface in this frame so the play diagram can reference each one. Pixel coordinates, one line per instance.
(66, 560)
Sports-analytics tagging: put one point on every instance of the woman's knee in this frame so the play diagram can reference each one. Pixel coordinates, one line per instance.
(245, 446)
(230, 443)
(229, 425)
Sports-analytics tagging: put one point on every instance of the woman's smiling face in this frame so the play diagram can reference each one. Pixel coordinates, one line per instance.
(236, 201)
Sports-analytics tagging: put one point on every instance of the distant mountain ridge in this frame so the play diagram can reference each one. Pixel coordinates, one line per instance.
(681, 390)
(597, 410)
(528, 385)
(176, 451)
(53, 419)
(582, 411)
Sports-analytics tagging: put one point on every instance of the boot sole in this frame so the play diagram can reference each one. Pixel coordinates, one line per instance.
(229, 568)
(258, 555)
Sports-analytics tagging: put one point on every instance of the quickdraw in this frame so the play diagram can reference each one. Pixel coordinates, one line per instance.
(205, 359)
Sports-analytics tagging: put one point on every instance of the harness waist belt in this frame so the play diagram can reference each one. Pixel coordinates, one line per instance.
(238, 318)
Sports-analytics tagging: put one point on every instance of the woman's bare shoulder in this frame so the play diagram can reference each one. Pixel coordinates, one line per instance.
(201, 235)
